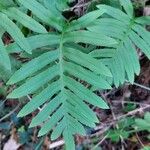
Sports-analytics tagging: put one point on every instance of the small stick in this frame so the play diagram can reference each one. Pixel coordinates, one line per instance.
(10, 113)
(56, 144)
(80, 5)
(103, 139)
(139, 140)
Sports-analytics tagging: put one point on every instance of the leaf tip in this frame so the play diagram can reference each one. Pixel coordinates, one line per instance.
(9, 96)
(40, 134)
(9, 82)
(20, 114)
(31, 125)
(106, 107)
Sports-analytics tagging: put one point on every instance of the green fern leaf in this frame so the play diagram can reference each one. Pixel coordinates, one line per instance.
(38, 64)
(85, 20)
(128, 7)
(36, 82)
(4, 58)
(40, 99)
(15, 32)
(127, 30)
(39, 41)
(42, 13)
(25, 20)
(144, 20)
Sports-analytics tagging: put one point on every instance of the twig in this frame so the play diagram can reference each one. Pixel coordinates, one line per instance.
(139, 140)
(3, 103)
(129, 102)
(40, 143)
(134, 112)
(10, 113)
(56, 144)
(117, 126)
(141, 86)
(103, 139)
(107, 125)
(80, 5)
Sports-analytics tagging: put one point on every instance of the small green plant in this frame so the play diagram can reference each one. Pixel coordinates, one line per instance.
(62, 57)
(143, 124)
(146, 148)
(121, 131)
(129, 126)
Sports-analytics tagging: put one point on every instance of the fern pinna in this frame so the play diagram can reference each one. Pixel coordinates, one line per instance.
(60, 61)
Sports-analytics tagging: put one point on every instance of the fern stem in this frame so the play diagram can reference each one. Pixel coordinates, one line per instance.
(61, 61)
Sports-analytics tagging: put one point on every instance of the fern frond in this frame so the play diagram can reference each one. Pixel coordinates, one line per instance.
(126, 29)
(53, 78)
(62, 94)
